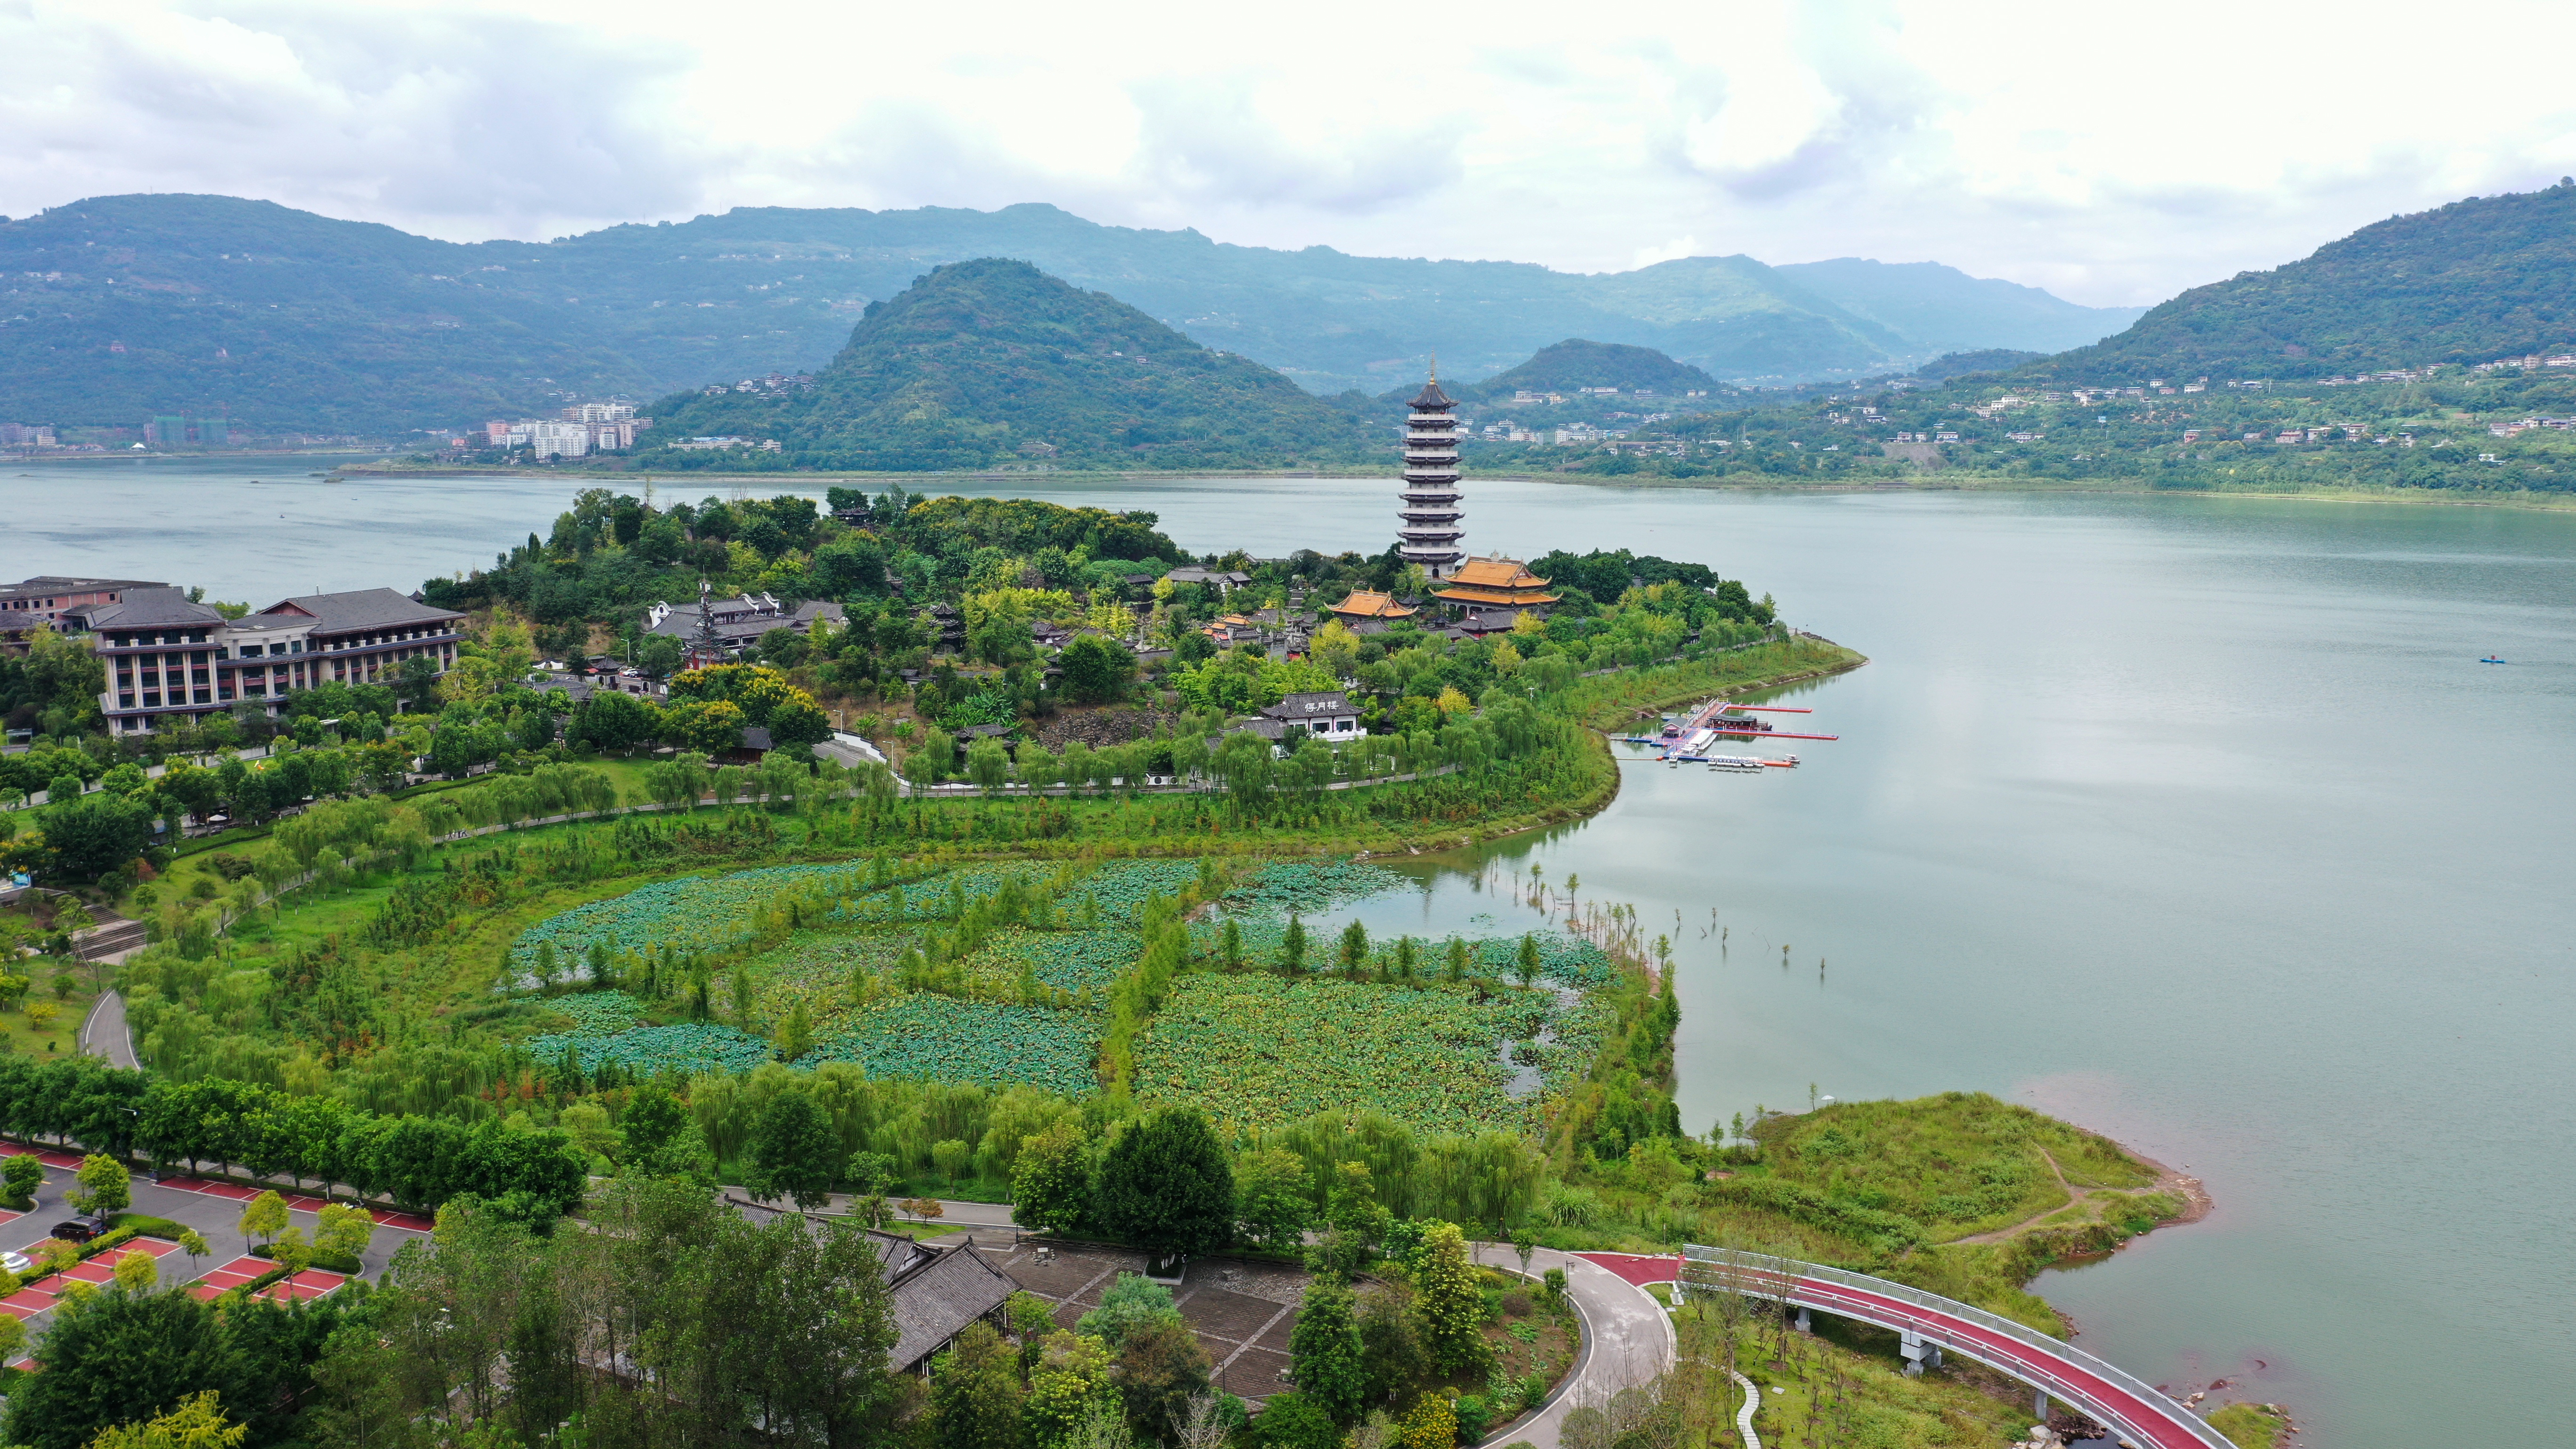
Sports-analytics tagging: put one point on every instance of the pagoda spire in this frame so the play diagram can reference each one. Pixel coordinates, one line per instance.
(1433, 514)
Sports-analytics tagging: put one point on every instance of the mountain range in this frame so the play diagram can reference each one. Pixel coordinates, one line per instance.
(990, 360)
(117, 308)
(2474, 281)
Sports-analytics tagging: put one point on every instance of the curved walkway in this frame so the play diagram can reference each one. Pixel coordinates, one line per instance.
(2097, 1388)
(1628, 1337)
(105, 1033)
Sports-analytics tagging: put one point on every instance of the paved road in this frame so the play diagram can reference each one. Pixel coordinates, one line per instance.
(1628, 1337)
(105, 1033)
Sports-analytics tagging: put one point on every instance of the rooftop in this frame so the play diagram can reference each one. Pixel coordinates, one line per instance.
(357, 609)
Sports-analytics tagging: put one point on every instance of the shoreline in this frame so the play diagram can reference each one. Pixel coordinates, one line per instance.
(1923, 483)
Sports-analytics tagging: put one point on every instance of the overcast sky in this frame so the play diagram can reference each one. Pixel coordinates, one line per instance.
(2113, 154)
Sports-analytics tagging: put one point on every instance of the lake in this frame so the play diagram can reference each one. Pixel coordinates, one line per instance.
(2192, 819)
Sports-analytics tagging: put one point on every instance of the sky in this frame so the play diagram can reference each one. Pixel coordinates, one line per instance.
(2114, 155)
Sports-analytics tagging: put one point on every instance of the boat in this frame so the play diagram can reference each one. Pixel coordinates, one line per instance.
(1742, 763)
(1790, 763)
(2491, 659)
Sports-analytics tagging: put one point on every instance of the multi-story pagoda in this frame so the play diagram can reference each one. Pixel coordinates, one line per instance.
(1433, 516)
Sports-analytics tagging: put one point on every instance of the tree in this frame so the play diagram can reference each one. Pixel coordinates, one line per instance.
(660, 656)
(198, 1423)
(1131, 1303)
(793, 1151)
(1294, 1420)
(1324, 1352)
(796, 1037)
(292, 1253)
(1165, 1185)
(1455, 967)
(929, 762)
(265, 1218)
(136, 1271)
(951, 1157)
(416, 684)
(1068, 1384)
(1273, 1198)
(1292, 946)
(1096, 670)
(116, 1357)
(614, 720)
(1449, 1307)
(1526, 963)
(21, 1176)
(1050, 1180)
(975, 1394)
(96, 834)
(1354, 948)
(988, 765)
(343, 1230)
(1160, 1367)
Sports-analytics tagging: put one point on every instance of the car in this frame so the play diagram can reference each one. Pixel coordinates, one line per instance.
(17, 1263)
(77, 1231)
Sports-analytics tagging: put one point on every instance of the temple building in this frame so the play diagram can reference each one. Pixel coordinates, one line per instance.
(1487, 587)
(1367, 612)
(1433, 518)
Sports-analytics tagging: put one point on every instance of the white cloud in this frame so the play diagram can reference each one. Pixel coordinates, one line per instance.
(2112, 156)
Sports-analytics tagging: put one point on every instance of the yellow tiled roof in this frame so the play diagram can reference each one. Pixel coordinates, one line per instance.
(1496, 573)
(1364, 604)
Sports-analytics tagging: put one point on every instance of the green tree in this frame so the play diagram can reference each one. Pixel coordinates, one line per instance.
(1294, 1420)
(1324, 1352)
(1096, 670)
(113, 1358)
(1130, 1303)
(988, 765)
(1230, 949)
(1050, 1180)
(1455, 967)
(793, 1151)
(1292, 946)
(1449, 1308)
(976, 1401)
(1160, 1365)
(343, 1230)
(136, 1271)
(265, 1217)
(97, 834)
(1068, 1383)
(1165, 1185)
(21, 1176)
(1273, 1198)
(198, 1423)
(796, 1037)
(1354, 948)
(1526, 963)
(951, 1157)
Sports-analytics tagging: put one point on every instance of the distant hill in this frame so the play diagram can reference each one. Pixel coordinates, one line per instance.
(1943, 309)
(1576, 363)
(1961, 364)
(990, 360)
(2476, 280)
(284, 319)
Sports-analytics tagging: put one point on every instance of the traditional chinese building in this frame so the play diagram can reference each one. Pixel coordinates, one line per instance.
(1482, 586)
(1364, 607)
(1434, 519)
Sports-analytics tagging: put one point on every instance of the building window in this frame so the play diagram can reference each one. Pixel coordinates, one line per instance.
(125, 701)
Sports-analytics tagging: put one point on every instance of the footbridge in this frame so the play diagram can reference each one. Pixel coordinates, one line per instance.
(1928, 1324)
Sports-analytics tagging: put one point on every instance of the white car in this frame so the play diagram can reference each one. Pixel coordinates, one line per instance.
(15, 1262)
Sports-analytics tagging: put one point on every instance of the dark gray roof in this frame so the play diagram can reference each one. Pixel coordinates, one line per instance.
(149, 608)
(936, 1291)
(756, 737)
(63, 584)
(359, 609)
(1431, 398)
(1308, 706)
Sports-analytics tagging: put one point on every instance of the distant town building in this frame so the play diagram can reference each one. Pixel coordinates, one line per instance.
(1432, 514)
(1364, 606)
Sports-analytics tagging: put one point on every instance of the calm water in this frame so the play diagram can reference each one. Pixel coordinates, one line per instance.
(2194, 820)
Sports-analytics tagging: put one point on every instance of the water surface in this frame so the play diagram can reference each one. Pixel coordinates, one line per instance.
(2192, 819)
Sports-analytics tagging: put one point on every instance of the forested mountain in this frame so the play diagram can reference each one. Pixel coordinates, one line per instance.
(1576, 363)
(985, 361)
(119, 307)
(2477, 280)
(1943, 309)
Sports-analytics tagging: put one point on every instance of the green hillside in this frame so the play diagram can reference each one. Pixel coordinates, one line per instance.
(1576, 363)
(993, 361)
(287, 320)
(2476, 280)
